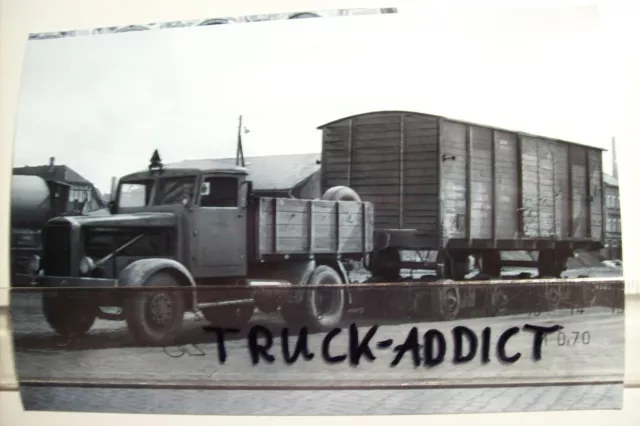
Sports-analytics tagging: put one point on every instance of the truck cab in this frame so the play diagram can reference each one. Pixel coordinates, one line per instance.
(200, 228)
(212, 207)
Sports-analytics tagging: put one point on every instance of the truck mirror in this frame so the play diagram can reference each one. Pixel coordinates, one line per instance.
(205, 189)
(243, 194)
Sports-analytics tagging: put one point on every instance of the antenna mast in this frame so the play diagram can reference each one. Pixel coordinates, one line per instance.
(239, 151)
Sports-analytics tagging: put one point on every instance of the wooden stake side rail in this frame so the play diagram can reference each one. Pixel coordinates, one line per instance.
(294, 227)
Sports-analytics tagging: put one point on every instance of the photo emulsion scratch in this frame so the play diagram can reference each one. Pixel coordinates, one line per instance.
(183, 231)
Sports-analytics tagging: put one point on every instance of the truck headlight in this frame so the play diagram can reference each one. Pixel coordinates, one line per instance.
(86, 265)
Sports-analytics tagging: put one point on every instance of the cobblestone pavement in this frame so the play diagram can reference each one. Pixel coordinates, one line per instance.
(109, 353)
(360, 402)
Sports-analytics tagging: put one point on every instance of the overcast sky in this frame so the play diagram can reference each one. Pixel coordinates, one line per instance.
(102, 104)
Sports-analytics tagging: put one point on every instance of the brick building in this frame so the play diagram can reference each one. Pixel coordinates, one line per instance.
(613, 225)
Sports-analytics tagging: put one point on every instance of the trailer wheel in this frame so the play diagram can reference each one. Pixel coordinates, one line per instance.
(156, 317)
(68, 316)
(320, 309)
(448, 303)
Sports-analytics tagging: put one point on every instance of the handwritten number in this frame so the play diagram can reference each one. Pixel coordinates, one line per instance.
(573, 339)
(576, 334)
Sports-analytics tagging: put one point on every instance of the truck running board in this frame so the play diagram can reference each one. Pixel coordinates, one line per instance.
(224, 303)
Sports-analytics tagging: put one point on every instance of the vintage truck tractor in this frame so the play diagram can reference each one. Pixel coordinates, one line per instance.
(198, 240)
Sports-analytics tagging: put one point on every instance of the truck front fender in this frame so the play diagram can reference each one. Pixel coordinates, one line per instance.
(139, 271)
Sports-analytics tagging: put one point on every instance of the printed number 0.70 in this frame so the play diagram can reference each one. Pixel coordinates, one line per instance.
(571, 339)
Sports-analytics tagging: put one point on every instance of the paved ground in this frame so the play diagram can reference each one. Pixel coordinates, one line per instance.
(361, 402)
(110, 353)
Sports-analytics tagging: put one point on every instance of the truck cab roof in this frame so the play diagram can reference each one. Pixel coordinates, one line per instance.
(171, 170)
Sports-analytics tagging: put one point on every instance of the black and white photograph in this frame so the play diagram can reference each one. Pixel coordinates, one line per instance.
(340, 212)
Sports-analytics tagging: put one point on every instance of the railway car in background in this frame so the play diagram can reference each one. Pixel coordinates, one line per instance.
(465, 191)
(33, 202)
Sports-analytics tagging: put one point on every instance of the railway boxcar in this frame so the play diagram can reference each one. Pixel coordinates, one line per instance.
(467, 189)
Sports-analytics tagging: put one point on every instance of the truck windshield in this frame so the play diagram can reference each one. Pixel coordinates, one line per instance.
(135, 194)
(170, 190)
(175, 190)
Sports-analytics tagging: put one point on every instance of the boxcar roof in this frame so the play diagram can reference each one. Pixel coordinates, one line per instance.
(390, 112)
(271, 172)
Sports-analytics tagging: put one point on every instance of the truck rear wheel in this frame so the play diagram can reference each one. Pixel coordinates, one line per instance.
(156, 317)
(320, 309)
(67, 315)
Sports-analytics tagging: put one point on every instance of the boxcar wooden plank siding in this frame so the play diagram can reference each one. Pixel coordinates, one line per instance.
(309, 226)
(546, 196)
(387, 167)
(460, 183)
(596, 200)
(538, 199)
(453, 192)
(562, 196)
(579, 205)
(375, 144)
(420, 188)
(481, 182)
(506, 153)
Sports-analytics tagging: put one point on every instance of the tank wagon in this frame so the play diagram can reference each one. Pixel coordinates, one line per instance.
(33, 202)
(461, 189)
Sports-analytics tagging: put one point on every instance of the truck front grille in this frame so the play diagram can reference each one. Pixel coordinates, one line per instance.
(56, 256)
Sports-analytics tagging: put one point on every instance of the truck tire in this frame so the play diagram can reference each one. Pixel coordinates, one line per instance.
(68, 316)
(156, 317)
(311, 312)
(340, 193)
(229, 316)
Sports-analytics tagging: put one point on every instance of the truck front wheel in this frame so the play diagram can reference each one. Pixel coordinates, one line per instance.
(321, 309)
(155, 317)
(68, 315)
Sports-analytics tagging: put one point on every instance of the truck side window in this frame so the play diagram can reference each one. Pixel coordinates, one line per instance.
(223, 192)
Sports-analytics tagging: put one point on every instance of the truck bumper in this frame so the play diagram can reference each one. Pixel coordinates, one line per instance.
(23, 280)
(24, 267)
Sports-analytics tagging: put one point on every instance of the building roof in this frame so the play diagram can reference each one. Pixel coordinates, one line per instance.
(60, 173)
(268, 173)
(609, 180)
